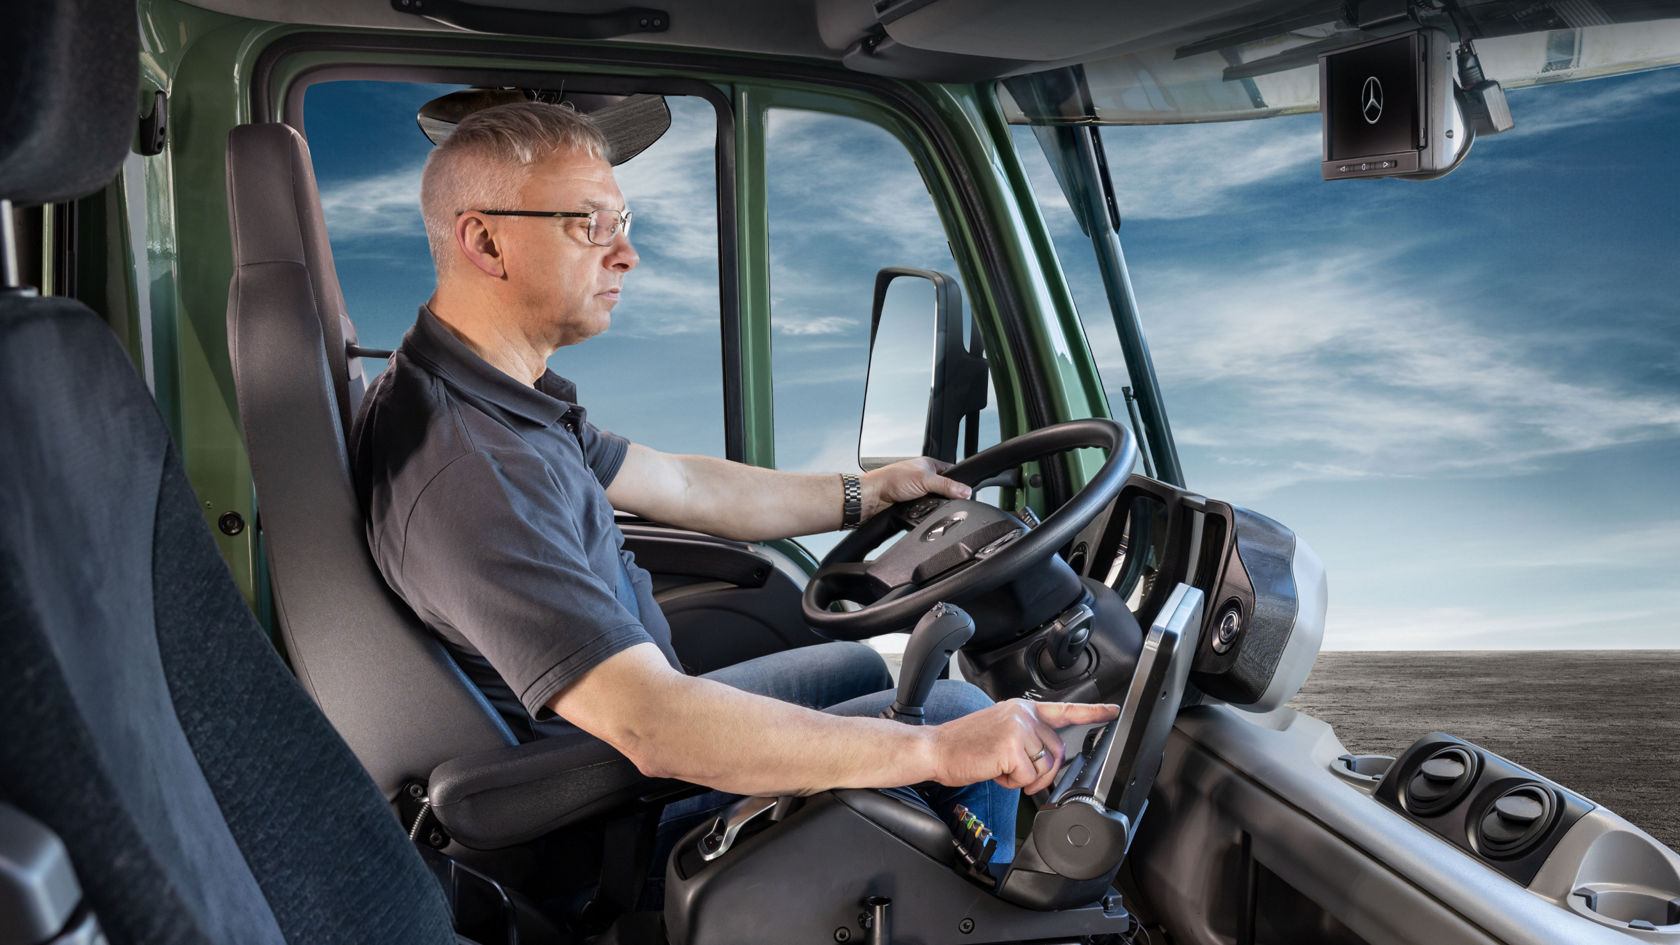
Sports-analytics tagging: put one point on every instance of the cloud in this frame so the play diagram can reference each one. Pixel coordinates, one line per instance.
(1173, 172)
(378, 205)
(1194, 170)
(1601, 102)
(820, 325)
(672, 187)
(667, 299)
(1312, 366)
(843, 182)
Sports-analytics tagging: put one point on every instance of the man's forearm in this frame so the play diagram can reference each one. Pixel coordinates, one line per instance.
(748, 744)
(751, 503)
(698, 730)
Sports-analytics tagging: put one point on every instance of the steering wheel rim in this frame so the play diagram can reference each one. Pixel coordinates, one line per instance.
(899, 608)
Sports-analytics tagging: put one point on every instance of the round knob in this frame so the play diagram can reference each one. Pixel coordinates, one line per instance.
(1445, 770)
(1441, 781)
(1516, 822)
(1519, 809)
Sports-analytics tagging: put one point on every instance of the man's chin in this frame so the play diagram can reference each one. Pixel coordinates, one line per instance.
(584, 331)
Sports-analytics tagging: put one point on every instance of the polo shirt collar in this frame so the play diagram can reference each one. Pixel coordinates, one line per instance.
(432, 342)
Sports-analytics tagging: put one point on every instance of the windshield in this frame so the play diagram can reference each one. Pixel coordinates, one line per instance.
(1463, 394)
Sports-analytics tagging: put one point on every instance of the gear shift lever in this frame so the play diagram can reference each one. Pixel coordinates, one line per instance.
(940, 632)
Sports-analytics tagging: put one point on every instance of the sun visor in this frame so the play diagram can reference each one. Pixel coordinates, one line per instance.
(630, 123)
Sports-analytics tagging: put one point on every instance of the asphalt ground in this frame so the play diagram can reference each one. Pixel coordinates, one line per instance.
(1605, 725)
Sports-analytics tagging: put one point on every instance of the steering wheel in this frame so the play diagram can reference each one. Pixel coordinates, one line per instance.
(957, 549)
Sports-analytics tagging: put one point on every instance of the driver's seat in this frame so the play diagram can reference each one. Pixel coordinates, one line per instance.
(389, 687)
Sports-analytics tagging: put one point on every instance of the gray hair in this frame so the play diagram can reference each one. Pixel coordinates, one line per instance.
(487, 159)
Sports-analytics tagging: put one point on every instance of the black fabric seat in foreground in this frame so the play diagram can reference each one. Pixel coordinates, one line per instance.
(144, 717)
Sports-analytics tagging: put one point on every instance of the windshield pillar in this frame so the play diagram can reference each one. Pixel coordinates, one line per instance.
(1075, 152)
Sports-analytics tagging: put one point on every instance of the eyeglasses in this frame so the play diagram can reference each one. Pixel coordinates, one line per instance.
(605, 226)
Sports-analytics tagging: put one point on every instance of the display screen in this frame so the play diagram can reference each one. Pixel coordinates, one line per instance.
(1372, 99)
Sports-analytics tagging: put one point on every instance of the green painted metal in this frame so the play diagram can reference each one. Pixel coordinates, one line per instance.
(752, 229)
(199, 59)
(1056, 338)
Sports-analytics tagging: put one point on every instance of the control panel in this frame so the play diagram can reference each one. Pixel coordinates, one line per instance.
(1504, 815)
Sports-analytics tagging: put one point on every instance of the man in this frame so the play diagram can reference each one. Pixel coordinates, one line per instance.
(490, 500)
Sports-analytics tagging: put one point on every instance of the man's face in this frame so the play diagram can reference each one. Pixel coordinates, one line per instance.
(565, 286)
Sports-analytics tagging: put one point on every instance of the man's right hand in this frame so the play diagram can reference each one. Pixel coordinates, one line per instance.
(1000, 743)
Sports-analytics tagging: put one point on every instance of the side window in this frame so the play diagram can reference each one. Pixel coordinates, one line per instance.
(846, 200)
(656, 376)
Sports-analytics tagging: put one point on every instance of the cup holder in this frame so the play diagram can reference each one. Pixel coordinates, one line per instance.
(1629, 881)
(1364, 770)
(1632, 907)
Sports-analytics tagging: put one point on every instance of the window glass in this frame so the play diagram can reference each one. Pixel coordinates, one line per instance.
(1079, 264)
(846, 200)
(656, 375)
(1464, 394)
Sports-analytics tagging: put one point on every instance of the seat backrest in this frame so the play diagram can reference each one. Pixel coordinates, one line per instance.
(384, 681)
(144, 717)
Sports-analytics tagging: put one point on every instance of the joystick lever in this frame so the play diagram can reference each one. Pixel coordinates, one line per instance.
(941, 632)
(1064, 641)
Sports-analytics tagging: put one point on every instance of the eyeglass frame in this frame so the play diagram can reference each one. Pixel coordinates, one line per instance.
(623, 219)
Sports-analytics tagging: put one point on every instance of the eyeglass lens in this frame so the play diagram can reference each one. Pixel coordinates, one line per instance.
(606, 225)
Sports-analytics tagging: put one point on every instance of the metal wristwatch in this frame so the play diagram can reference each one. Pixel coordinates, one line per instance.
(851, 510)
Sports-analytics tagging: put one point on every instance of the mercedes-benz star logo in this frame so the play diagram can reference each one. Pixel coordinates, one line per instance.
(944, 525)
(1371, 100)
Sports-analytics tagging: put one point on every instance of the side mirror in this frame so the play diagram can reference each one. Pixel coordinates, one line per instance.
(923, 379)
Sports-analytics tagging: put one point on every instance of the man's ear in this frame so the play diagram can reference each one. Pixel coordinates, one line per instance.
(478, 245)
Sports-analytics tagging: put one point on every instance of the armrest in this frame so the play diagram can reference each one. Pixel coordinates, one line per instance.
(505, 796)
(675, 552)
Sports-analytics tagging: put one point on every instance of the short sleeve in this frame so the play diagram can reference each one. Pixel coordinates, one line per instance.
(603, 450)
(493, 559)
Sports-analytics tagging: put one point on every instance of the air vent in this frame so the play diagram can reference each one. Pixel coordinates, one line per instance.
(1516, 820)
(1441, 781)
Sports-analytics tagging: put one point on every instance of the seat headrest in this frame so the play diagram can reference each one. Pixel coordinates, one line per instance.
(69, 97)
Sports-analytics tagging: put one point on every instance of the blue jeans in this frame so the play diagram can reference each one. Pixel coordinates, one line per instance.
(847, 679)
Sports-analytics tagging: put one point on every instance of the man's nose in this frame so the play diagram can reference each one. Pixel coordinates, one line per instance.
(622, 256)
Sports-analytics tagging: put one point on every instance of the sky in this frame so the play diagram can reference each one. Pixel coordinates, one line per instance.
(1463, 394)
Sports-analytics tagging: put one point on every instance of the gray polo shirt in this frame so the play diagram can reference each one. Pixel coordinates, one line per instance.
(487, 512)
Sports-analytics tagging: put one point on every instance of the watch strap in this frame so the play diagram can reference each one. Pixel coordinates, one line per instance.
(851, 508)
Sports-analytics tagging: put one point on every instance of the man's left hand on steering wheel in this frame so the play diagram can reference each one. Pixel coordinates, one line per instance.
(906, 480)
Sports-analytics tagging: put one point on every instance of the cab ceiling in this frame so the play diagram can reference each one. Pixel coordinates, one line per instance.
(935, 40)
